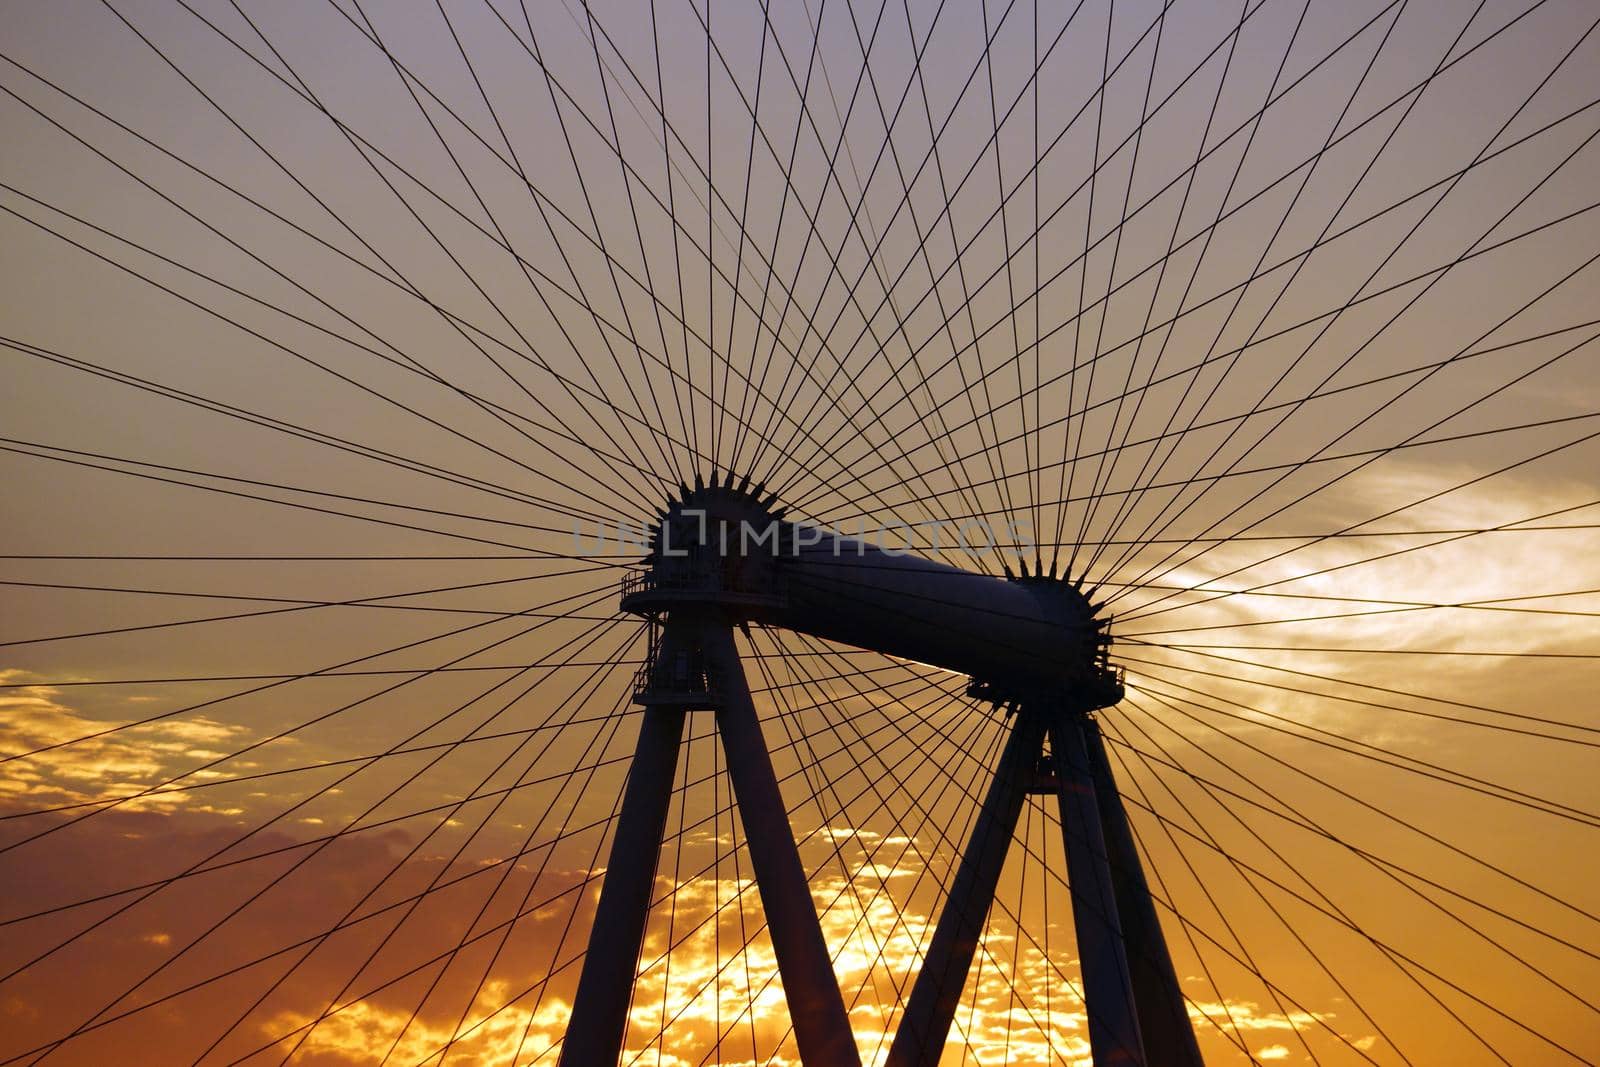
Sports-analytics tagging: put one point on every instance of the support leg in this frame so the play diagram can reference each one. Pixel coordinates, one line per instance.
(599, 1018)
(821, 1025)
(1107, 983)
(1168, 1034)
(919, 1040)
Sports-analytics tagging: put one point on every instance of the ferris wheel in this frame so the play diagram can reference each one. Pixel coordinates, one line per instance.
(693, 532)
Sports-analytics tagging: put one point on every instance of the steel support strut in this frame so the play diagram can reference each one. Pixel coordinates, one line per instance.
(598, 1023)
(1163, 1018)
(816, 1007)
(599, 1019)
(1114, 1030)
(919, 1040)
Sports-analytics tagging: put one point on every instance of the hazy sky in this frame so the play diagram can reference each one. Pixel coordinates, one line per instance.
(326, 324)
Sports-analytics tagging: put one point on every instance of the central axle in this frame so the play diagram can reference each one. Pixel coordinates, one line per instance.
(1017, 637)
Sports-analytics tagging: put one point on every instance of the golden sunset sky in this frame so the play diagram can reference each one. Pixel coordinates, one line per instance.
(338, 337)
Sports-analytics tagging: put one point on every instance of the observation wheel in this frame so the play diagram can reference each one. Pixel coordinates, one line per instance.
(695, 532)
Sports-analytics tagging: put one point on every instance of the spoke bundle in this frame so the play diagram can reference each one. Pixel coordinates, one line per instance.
(360, 358)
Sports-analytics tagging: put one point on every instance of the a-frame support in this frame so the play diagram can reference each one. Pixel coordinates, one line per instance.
(696, 665)
(1136, 1010)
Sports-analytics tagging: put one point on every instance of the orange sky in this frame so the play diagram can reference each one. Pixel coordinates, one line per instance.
(313, 719)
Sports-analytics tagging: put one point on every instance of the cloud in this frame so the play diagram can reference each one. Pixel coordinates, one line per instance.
(76, 766)
(488, 1034)
(878, 921)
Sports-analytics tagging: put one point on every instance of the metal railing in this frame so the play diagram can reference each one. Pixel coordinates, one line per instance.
(684, 679)
(699, 579)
